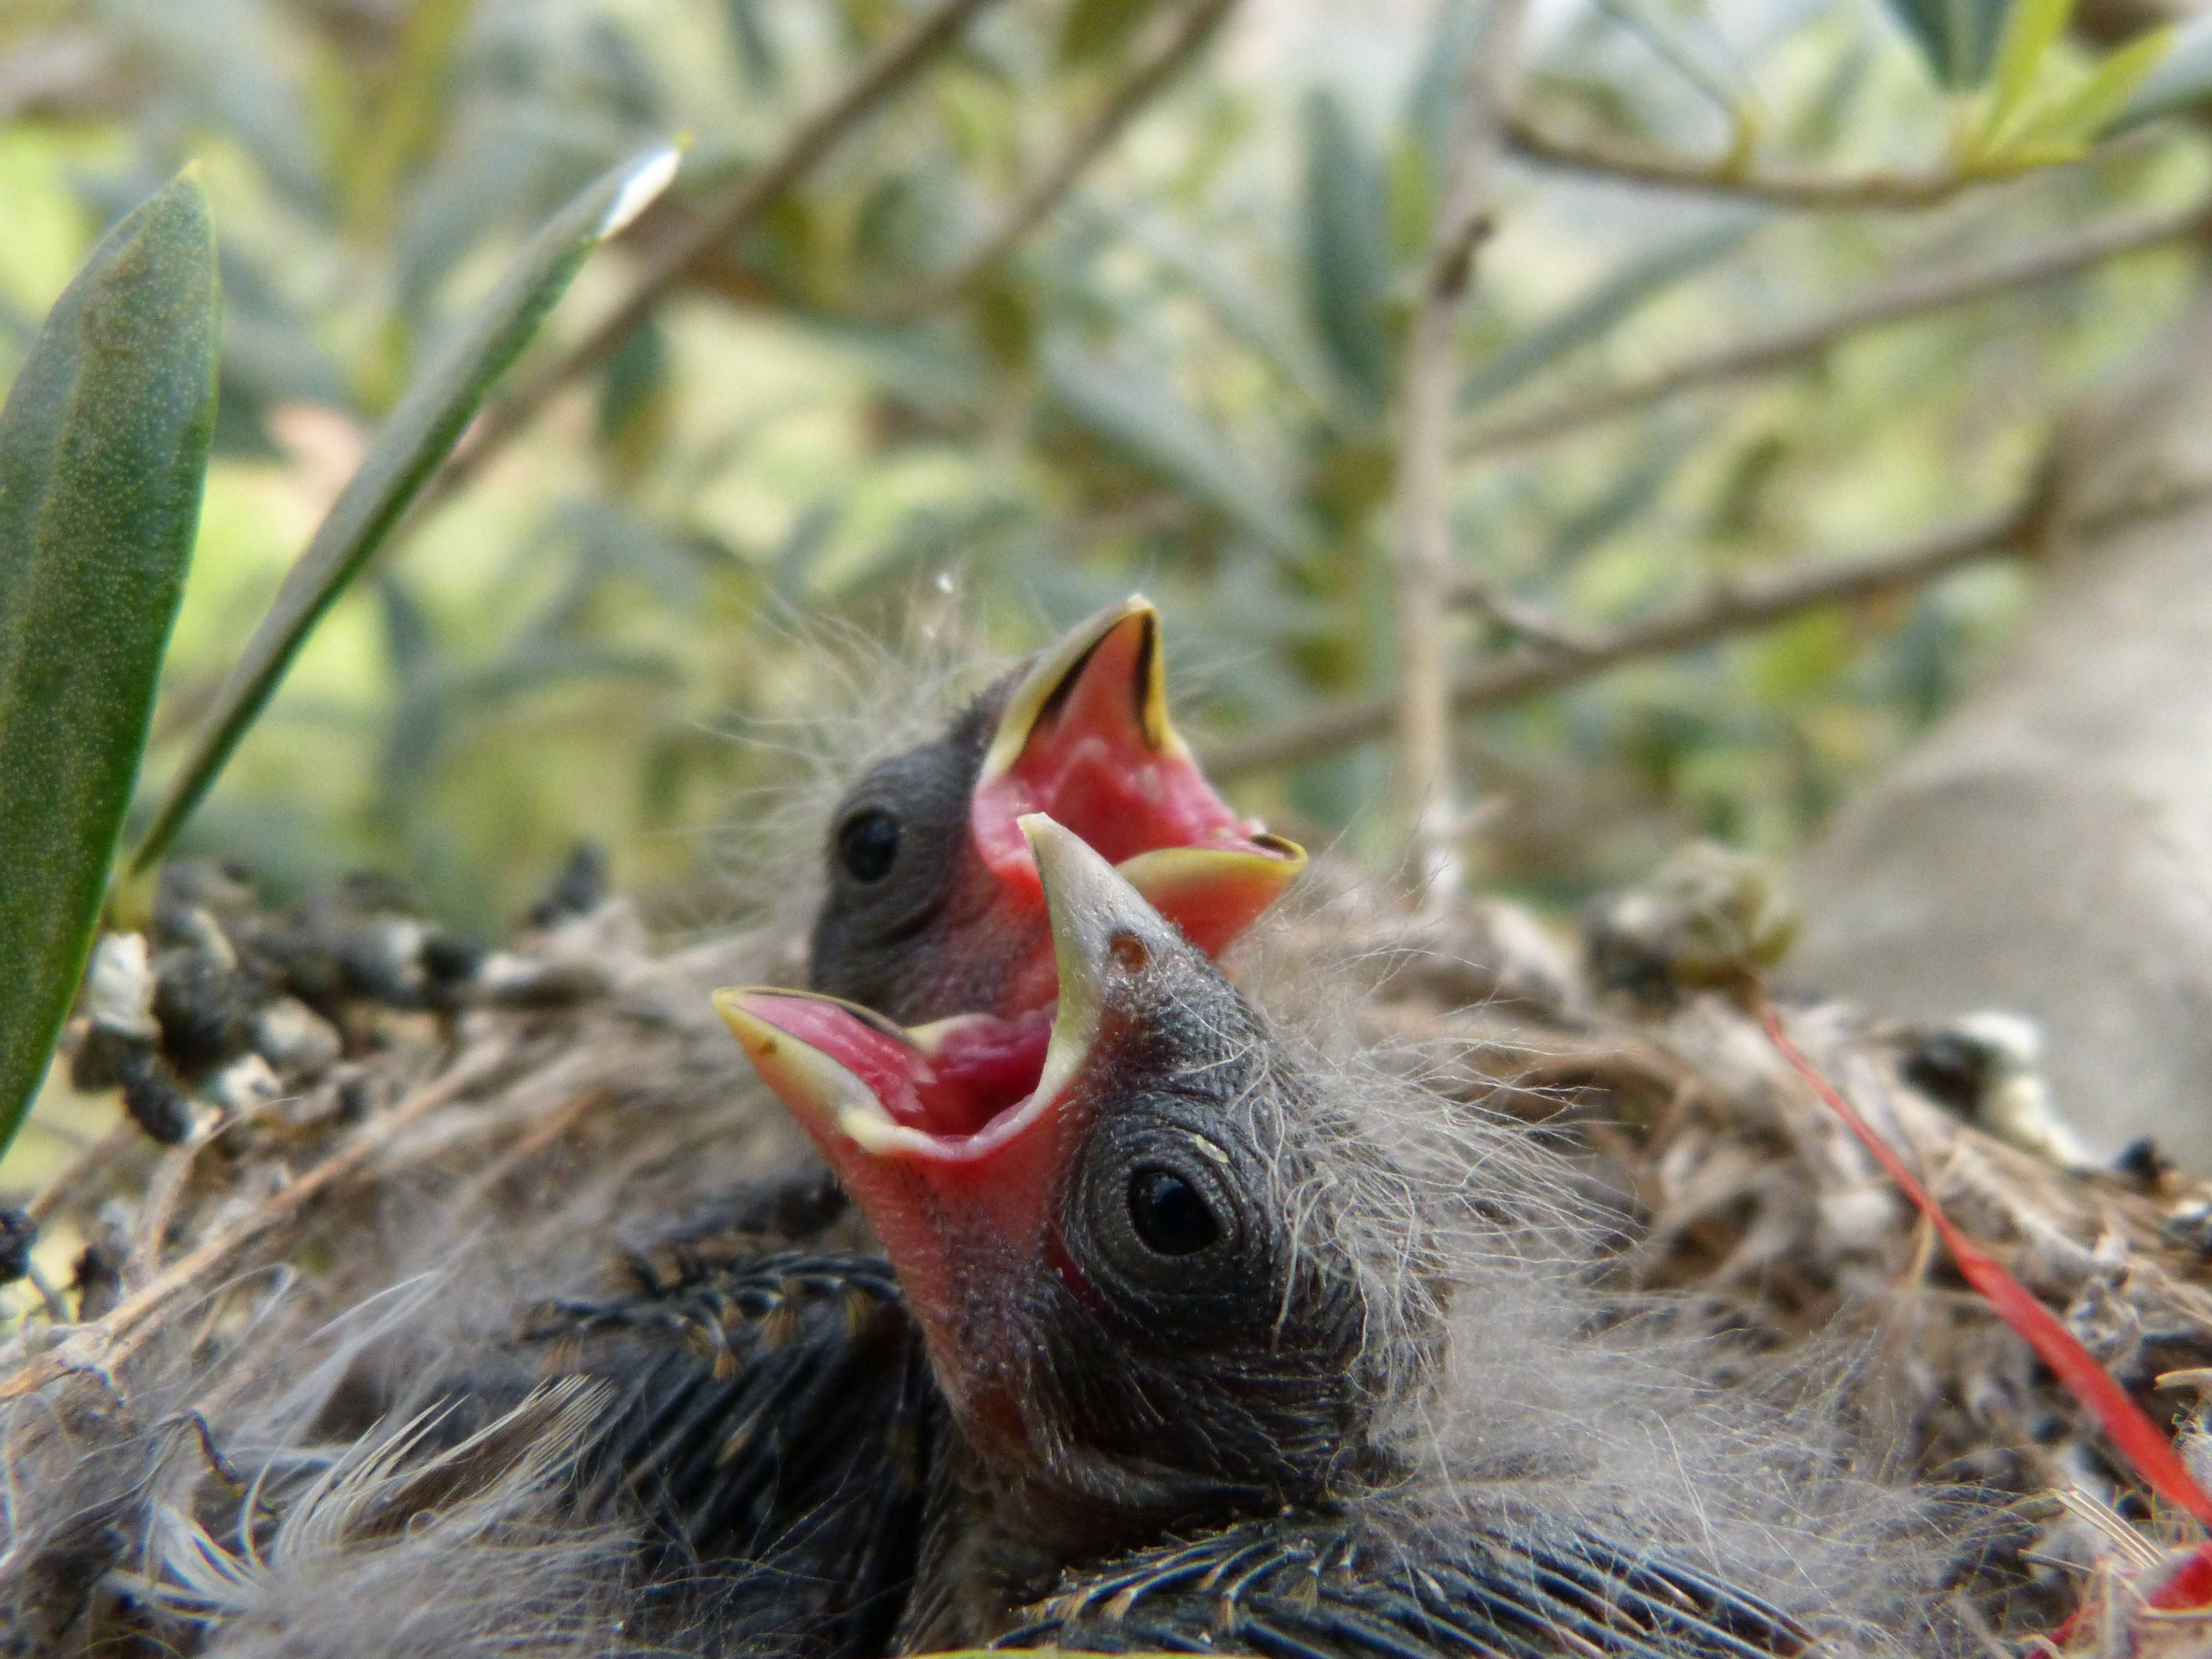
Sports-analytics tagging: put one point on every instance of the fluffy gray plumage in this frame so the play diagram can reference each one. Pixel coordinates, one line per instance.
(1521, 1399)
(365, 1529)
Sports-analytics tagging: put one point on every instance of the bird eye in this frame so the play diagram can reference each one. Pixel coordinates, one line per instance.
(868, 844)
(1168, 1214)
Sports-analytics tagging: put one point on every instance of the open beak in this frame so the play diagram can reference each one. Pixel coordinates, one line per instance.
(960, 1090)
(968, 1108)
(954, 1137)
(1084, 738)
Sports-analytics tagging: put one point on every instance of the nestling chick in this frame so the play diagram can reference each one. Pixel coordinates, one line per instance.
(738, 1370)
(1219, 1374)
(934, 905)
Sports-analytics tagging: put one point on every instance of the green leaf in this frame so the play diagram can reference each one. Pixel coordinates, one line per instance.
(421, 432)
(2031, 29)
(103, 447)
(1245, 307)
(2181, 78)
(1100, 29)
(1452, 35)
(1135, 409)
(756, 43)
(2086, 111)
(1957, 38)
(1347, 251)
(1597, 313)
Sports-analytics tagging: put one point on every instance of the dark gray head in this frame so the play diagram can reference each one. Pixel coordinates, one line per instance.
(1118, 1230)
(934, 906)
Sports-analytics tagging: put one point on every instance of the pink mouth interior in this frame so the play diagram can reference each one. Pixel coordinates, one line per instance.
(1089, 765)
(965, 1095)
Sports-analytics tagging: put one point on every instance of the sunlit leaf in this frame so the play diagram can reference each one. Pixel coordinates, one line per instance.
(2086, 111)
(2031, 27)
(407, 115)
(417, 437)
(103, 447)
(2181, 79)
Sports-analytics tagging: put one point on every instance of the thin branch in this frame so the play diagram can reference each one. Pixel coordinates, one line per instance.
(1910, 296)
(885, 74)
(1528, 622)
(1045, 192)
(1730, 607)
(1431, 387)
(1732, 175)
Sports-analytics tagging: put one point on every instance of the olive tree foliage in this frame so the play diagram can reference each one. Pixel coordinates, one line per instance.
(1092, 294)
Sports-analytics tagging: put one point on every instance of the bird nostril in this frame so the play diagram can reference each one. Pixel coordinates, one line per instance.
(1129, 952)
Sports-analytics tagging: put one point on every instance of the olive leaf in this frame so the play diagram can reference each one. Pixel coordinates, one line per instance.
(421, 432)
(1957, 38)
(103, 449)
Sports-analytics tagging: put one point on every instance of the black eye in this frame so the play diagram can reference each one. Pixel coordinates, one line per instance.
(868, 844)
(1168, 1214)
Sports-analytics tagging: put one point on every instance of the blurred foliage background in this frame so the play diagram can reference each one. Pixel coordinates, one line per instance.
(874, 405)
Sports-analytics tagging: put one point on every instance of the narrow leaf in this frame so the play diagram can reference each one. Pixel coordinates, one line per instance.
(421, 432)
(2182, 78)
(103, 446)
(2031, 29)
(2083, 113)
(1138, 411)
(1347, 251)
(1646, 276)
(1957, 38)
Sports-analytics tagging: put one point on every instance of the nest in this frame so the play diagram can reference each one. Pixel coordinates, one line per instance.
(354, 1103)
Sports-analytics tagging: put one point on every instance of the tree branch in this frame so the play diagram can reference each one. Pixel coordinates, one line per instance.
(1648, 164)
(1792, 343)
(817, 133)
(1730, 607)
(1128, 99)
(1430, 390)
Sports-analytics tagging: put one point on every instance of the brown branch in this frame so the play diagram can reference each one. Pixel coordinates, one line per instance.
(1429, 387)
(1731, 607)
(816, 134)
(1532, 624)
(1910, 296)
(1650, 164)
(1045, 192)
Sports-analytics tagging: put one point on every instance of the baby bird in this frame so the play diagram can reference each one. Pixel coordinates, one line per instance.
(774, 1405)
(934, 905)
(1223, 1368)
